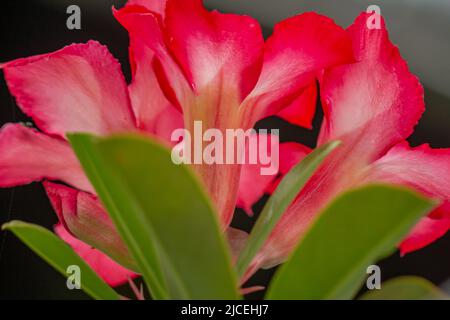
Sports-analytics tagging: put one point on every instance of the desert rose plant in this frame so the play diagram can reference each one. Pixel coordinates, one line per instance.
(102, 148)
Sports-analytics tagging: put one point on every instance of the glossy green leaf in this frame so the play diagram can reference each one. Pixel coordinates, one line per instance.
(60, 256)
(358, 228)
(406, 288)
(161, 204)
(119, 204)
(277, 204)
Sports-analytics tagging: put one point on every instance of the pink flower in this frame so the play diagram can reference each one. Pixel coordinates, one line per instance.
(78, 88)
(216, 68)
(371, 106)
(187, 64)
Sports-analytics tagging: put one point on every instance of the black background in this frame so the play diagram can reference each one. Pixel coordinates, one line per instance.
(35, 27)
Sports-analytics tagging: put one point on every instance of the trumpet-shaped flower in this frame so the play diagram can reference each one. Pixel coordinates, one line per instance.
(371, 106)
(217, 69)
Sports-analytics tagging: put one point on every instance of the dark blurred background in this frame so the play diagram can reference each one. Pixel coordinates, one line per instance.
(30, 27)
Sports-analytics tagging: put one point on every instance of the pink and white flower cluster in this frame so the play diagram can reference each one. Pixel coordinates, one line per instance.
(190, 64)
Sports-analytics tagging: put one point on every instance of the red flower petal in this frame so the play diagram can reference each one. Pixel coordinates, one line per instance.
(422, 168)
(145, 30)
(84, 217)
(148, 100)
(78, 88)
(424, 233)
(167, 122)
(27, 156)
(291, 153)
(302, 110)
(111, 272)
(299, 48)
(374, 103)
(220, 53)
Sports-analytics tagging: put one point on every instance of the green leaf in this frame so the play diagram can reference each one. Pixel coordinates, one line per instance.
(60, 256)
(358, 228)
(406, 288)
(120, 207)
(277, 204)
(161, 205)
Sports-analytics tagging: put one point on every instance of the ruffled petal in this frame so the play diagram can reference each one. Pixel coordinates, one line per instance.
(27, 156)
(426, 170)
(298, 50)
(372, 104)
(111, 272)
(83, 216)
(79, 88)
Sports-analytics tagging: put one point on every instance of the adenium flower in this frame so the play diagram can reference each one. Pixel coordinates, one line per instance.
(371, 106)
(188, 64)
(217, 69)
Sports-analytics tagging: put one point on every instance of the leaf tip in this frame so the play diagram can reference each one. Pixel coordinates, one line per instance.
(10, 225)
(330, 146)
